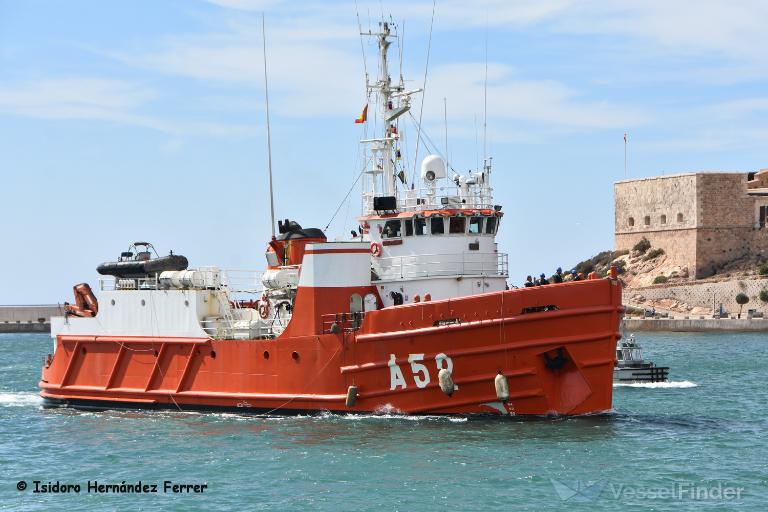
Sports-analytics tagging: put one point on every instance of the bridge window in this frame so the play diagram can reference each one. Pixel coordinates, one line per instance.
(647, 220)
(631, 221)
(663, 219)
(392, 229)
(679, 217)
(475, 225)
(490, 225)
(409, 227)
(437, 226)
(457, 225)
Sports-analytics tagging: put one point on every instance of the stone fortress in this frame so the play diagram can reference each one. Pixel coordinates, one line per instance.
(712, 229)
(702, 220)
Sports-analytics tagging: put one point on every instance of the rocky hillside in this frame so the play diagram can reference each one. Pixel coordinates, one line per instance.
(645, 265)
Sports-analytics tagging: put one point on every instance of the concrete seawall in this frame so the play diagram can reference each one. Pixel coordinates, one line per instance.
(29, 318)
(695, 324)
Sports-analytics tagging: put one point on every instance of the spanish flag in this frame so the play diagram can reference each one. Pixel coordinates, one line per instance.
(363, 117)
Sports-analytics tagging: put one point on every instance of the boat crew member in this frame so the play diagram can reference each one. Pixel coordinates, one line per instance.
(558, 277)
(529, 282)
(575, 276)
(542, 280)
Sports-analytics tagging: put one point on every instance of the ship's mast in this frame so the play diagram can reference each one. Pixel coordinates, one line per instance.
(382, 171)
(385, 94)
(393, 101)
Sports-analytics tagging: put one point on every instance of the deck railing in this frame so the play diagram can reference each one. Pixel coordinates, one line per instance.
(441, 265)
(436, 198)
(237, 282)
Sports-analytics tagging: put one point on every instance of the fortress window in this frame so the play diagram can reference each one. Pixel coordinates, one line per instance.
(420, 226)
(457, 225)
(437, 226)
(409, 227)
(475, 225)
(490, 225)
(647, 220)
(631, 221)
(663, 219)
(679, 217)
(392, 229)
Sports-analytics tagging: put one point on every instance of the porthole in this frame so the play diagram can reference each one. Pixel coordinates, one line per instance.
(143, 302)
(213, 354)
(295, 356)
(112, 302)
(186, 303)
(266, 354)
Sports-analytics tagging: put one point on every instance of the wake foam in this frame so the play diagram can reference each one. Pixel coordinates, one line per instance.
(404, 417)
(11, 399)
(681, 384)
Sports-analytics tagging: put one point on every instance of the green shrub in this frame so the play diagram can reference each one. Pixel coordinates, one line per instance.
(764, 295)
(741, 299)
(763, 269)
(660, 280)
(653, 254)
(642, 246)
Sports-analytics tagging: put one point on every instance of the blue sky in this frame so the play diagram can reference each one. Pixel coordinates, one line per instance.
(144, 120)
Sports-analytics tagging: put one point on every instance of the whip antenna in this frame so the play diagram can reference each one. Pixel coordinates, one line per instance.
(269, 133)
(423, 96)
(485, 97)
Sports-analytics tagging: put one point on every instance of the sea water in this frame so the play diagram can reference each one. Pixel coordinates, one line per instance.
(697, 442)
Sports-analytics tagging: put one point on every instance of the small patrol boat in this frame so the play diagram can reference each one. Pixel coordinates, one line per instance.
(631, 368)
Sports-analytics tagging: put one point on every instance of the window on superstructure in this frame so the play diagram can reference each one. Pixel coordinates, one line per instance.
(475, 225)
(420, 226)
(392, 229)
(663, 219)
(679, 217)
(631, 221)
(409, 227)
(647, 220)
(437, 226)
(457, 225)
(490, 225)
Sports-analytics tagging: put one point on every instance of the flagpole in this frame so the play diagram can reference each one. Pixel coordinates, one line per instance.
(625, 155)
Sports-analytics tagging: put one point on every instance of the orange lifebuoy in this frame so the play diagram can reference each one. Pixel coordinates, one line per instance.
(376, 249)
(264, 307)
(264, 310)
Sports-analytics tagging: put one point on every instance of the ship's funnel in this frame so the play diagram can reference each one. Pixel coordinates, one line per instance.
(432, 169)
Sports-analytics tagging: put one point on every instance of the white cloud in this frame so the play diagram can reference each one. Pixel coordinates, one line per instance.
(733, 29)
(103, 100)
(544, 102)
(245, 5)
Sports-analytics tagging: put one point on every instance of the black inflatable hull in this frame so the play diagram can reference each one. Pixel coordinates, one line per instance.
(138, 269)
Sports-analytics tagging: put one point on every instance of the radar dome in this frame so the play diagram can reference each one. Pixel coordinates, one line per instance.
(432, 168)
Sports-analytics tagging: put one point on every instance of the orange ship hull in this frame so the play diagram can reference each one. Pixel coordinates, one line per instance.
(554, 345)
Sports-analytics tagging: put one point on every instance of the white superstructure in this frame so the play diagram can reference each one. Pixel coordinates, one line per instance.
(432, 232)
